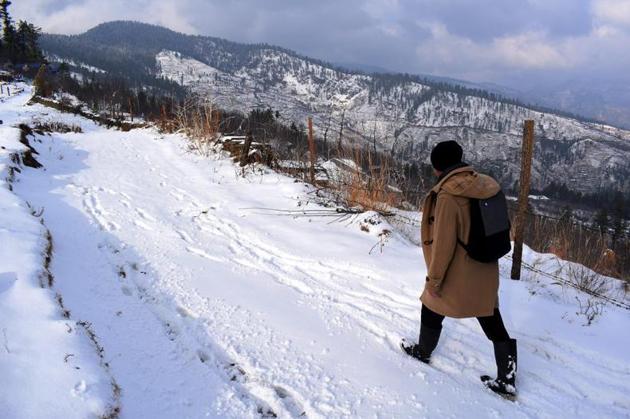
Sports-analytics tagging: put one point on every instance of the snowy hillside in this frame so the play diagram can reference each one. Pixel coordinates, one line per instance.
(188, 297)
(409, 118)
(405, 114)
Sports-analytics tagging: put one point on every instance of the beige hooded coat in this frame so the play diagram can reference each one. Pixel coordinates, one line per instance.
(466, 288)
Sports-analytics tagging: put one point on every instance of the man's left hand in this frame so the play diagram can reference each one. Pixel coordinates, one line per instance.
(433, 292)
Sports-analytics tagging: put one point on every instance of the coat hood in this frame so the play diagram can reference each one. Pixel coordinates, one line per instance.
(467, 183)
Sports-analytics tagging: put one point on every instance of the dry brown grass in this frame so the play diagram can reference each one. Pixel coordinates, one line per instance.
(55, 126)
(48, 254)
(574, 242)
(199, 120)
(366, 184)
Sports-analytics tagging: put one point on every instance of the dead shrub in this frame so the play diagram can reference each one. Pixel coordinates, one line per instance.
(575, 242)
(364, 183)
(64, 311)
(586, 280)
(590, 308)
(42, 127)
(608, 263)
(48, 254)
(27, 156)
(199, 120)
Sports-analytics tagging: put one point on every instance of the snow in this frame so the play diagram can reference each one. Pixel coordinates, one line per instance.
(48, 368)
(402, 119)
(71, 62)
(208, 303)
(185, 71)
(539, 197)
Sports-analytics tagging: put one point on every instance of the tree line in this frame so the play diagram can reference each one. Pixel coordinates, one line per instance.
(20, 43)
(110, 95)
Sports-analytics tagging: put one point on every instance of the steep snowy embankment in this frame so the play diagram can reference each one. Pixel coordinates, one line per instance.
(49, 367)
(206, 305)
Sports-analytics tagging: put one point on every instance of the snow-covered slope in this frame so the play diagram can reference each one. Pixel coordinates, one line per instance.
(407, 118)
(207, 304)
(406, 115)
(49, 366)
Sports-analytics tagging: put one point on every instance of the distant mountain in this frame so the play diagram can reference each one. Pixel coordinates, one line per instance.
(364, 68)
(604, 100)
(607, 102)
(402, 114)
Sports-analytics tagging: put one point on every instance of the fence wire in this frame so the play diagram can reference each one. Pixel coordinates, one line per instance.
(564, 281)
(418, 193)
(399, 218)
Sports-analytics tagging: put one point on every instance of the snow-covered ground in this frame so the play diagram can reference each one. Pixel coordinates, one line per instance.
(49, 367)
(207, 304)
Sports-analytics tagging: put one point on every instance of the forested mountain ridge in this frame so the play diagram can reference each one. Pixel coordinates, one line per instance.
(401, 114)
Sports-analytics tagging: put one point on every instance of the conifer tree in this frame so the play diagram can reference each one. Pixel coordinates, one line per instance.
(619, 228)
(19, 45)
(567, 216)
(601, 220)
(8, 32)
(26, 40)
(19, 39)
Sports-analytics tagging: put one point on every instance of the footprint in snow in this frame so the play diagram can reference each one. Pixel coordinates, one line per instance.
(142, 225)
(236, 373)
(184, 236)
(142, 213)
(292, 405)
(171, 331)
(203, 356)
(203, 254)
(79, 389)
(184, 312)
(177, 196)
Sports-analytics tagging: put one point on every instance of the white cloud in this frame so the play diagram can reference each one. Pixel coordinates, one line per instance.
(169, 14)
(484, 41)
(612, 11)
(447, 53)
(77, 17)
(529, 50)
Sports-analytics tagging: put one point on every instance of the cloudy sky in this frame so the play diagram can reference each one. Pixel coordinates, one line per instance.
(502, 41)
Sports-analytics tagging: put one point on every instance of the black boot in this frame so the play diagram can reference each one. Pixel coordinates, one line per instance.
(426, 344)
(505, 356)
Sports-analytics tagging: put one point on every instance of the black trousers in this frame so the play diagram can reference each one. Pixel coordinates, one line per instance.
(492, 325)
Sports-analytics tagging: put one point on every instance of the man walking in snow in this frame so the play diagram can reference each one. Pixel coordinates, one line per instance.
(457, 285)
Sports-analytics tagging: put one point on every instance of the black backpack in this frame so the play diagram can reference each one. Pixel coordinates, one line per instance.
(489, 238)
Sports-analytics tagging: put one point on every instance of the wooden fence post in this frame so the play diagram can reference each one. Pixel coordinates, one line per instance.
(311, 148)
(245, 151)
(340, 141)
(130, 107)
(524, 184)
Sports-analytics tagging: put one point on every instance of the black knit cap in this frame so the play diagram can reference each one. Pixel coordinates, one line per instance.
(446, 154)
